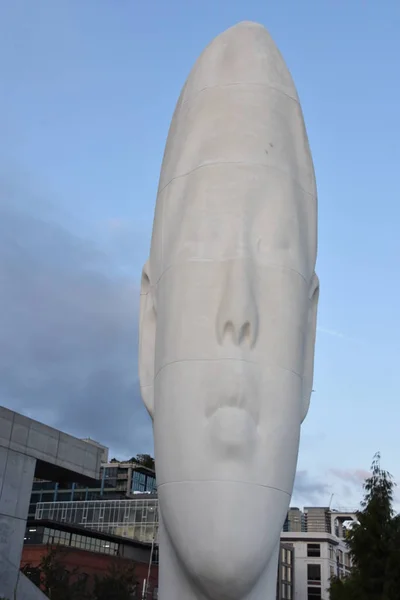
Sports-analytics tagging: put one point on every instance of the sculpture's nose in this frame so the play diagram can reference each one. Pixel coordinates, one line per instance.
(237, 316)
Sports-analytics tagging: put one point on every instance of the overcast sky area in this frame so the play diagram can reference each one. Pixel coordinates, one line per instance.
(87, 91)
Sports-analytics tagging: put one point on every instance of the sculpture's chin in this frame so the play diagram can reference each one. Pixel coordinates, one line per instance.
(229, 542)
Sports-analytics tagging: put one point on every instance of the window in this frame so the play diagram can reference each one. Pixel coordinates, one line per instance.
(314, 550)
(314, 593)
(64, 496)
(331, 553)
(48, 497)
(79, 496)
(314, 573)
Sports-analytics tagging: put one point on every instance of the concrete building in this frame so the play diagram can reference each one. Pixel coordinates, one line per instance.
(319, 547)
(104, 449)
(30, 449)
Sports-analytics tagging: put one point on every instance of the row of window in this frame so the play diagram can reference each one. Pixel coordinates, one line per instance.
(285, 585)
(135, 519)
(109, 478)
(286, 556)
(343, 558)
(314, 579)
(112, 511)
(286, 573)
(286, 591)
(46, 535)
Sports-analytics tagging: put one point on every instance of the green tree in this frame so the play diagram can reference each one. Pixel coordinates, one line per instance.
(373, 544)
(119, 583)
(55, 580)
(145, 460)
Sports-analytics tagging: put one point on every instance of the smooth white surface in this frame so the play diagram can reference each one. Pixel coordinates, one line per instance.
(228, 319)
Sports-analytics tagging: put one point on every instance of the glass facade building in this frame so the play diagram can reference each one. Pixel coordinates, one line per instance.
(135, 519)
(117, 481)
(53, 536)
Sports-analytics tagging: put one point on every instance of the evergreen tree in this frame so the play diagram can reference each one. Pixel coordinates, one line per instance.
(373, 544)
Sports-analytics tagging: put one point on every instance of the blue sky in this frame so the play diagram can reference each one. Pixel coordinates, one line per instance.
(87, 93)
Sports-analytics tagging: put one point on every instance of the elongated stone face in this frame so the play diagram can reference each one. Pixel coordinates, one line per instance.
(228, 311)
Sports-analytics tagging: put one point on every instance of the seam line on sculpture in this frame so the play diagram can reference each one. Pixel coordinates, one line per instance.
(237, 84)
(250, 362)
(232, 162)
(274, 266)
(269, 487)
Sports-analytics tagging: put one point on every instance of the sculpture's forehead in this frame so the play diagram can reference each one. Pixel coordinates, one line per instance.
(224, 211)
(239, 104)
(237, 169)
(237, 124)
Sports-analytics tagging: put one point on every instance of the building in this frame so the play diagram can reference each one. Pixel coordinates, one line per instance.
(104, 449)
(117, 480)
(285, 579)
(320, 549)
(135, 519)
(294, 520)
(90, 553)
(29, 449)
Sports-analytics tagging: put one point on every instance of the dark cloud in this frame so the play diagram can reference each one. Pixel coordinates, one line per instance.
(68, 331)
(310, 490)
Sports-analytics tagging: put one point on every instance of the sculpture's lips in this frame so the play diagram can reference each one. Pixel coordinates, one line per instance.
(235, 401)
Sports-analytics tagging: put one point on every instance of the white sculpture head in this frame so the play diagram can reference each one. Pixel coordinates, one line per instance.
(228, 312)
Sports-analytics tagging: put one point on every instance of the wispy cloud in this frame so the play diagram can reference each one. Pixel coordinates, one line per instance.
(352, 476)
(309, 490)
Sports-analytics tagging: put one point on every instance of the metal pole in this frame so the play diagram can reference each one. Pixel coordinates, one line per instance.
(144, 590)
(149, 569)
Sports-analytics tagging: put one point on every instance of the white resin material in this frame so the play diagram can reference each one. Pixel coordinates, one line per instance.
(228, 319)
